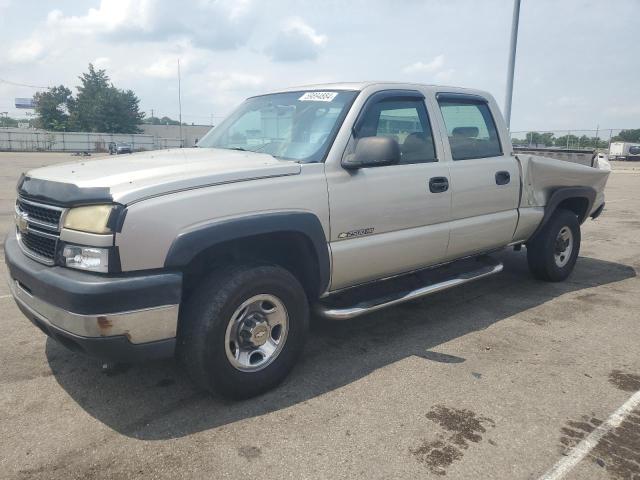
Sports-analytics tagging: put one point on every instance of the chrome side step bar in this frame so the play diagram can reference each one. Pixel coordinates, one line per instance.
(373, 305)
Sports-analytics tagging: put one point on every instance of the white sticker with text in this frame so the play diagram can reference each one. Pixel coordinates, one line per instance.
(318, 96)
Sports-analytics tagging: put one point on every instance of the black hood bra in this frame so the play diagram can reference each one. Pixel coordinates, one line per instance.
(61, 194)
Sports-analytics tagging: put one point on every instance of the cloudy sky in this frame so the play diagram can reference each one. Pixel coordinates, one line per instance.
(577, 66)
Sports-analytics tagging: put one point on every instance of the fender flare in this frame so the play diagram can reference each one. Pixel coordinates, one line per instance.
(190, 243)
(564, 193)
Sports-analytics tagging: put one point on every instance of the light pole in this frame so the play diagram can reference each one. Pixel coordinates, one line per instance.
(512, 61)
(179, 104)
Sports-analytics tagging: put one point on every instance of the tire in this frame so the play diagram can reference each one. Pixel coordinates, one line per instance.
(545, 255)
(216, 337)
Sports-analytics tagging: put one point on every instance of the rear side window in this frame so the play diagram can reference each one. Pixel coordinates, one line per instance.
(407, 122)
(471, 130)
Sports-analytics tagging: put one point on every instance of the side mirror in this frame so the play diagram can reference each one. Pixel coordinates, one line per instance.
(373, 152)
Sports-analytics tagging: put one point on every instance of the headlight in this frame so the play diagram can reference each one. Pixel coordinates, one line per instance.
(91, 219)
(86, 258)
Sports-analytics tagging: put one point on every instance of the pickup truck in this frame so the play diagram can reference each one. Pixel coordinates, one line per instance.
(338, 199)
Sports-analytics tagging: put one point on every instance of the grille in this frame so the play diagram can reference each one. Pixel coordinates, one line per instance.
(40, 237)
(40, 213)
(41, 246)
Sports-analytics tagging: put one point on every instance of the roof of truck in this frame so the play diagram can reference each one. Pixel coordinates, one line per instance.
(362, 85)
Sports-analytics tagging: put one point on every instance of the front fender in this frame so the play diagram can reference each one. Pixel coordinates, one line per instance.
(190, 243)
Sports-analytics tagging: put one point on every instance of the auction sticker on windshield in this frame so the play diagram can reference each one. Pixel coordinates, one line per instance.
(318, 96)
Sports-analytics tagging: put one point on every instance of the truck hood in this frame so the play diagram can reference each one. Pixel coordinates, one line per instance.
(129, 178)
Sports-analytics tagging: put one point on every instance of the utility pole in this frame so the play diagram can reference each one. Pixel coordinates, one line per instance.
(512, 61)
(152, 113)
(179, 103)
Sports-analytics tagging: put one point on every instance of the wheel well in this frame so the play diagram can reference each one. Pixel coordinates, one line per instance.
(577, 205)
(290, 250)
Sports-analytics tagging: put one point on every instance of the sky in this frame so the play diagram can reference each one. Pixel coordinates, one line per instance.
(577, 61)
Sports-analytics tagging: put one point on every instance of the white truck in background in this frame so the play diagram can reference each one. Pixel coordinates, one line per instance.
(624, 151)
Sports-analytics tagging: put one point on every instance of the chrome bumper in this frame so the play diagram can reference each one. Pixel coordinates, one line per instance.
(138, 326)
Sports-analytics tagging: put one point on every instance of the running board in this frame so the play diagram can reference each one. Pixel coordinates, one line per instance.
(488, 266)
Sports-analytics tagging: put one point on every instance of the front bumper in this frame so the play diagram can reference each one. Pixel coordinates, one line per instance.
(118, 318)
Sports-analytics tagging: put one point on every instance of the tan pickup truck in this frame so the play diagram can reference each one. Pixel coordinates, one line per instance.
(340, 199)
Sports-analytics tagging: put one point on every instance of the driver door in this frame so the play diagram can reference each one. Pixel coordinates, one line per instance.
(387, 220)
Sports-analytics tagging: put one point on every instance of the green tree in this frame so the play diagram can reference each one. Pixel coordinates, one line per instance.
(632, 135)
(54, 108)
(160, 121)
(101, 107)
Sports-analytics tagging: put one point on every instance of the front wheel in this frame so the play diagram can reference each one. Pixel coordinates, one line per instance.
(243, 329)
(553, 252)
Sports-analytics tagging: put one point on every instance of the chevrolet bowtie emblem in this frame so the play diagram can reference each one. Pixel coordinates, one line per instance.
(22, 223)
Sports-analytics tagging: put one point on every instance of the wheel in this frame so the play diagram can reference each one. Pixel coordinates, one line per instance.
(553, 252)
(243, 329)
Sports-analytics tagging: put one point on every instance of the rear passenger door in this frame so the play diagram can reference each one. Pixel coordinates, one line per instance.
(485, 180)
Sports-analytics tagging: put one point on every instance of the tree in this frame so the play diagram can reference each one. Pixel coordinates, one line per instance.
(161, 121)
(54, 108)
(632, 135)
(101, 107)
(98, 107)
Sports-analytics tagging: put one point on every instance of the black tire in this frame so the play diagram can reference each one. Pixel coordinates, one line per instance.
(542, 249)
(206, 314)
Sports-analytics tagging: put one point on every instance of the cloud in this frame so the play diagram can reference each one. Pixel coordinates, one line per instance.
(419, 67)
(212, 24)
(27, 51)
(444, 75)
(162, 68)
(297, 41)
(234, 81)
(102, 62)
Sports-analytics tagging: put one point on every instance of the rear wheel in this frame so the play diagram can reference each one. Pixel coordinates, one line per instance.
(553, 252)
(243, 329)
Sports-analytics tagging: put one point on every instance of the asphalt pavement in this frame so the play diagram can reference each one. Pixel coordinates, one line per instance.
(503, 378)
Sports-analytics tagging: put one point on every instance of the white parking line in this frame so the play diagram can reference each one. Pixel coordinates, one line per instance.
(4, 296)
(564, 466)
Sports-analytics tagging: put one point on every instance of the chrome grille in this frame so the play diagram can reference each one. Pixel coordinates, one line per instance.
(38, 229)
(40, 213)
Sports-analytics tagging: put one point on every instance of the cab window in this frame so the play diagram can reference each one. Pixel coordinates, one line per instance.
(471, 130)
(407, 122)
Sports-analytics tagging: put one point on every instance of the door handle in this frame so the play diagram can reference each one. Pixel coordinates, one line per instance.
(503, 177)
(438, 184)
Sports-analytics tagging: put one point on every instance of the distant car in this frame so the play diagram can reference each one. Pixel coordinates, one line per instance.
(119, 148)
(634, 153)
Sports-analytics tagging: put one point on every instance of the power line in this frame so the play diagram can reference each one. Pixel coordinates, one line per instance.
(17, 84)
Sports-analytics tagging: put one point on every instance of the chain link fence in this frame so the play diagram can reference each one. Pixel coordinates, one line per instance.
(566, 139)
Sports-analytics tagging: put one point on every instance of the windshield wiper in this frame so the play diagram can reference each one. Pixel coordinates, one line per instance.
(259, 150)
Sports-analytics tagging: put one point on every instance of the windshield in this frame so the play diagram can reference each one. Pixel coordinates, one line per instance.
(294, 125)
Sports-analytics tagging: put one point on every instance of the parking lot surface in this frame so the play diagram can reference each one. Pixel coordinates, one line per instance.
(503, 378)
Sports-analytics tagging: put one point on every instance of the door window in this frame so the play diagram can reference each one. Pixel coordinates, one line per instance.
(407, 122)
(471, 130)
